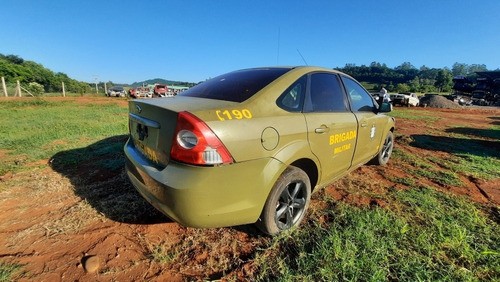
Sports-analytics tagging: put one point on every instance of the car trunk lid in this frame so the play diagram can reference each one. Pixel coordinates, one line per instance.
(152, 123)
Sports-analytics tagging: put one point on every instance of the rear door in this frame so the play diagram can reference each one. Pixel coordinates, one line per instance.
(370, 124)
(331, 127)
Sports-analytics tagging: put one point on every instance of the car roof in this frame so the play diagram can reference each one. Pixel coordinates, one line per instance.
(301, 68)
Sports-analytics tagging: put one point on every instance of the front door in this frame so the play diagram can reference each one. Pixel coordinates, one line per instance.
(332, 128)
(370, 124)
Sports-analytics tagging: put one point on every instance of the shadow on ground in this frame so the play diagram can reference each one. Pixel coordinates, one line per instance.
(456, 145)
(98, 176)
(496, 120)
(476, 132)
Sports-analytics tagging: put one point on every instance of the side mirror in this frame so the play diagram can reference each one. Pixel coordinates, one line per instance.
(385, 107)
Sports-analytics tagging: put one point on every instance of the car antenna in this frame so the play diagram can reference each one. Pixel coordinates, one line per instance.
(302, 57)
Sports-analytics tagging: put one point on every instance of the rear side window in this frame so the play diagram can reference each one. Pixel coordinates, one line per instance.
(235, 86)
(293, 98)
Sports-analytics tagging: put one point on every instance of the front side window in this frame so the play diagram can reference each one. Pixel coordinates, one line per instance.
(235, 86)
(361, 101)
(325, 94)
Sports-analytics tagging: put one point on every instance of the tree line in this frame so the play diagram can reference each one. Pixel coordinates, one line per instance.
(408, 78)
(37, 77)
(162, 81)
(403, 78)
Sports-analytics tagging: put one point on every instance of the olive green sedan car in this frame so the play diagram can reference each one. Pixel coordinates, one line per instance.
(251, 145)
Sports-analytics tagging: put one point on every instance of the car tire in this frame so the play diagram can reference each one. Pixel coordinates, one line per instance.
(287, 203)
(385, 153)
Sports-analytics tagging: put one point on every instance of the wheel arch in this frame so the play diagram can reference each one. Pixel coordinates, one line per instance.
(299, 154)
(391, 129)
(310, 168)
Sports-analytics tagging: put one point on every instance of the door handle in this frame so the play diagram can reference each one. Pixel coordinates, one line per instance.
(364, 124)
(322, 129)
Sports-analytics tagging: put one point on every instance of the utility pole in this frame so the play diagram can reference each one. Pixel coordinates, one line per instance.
(4, 87)
(95, 80)
(18, 90)
(64, 91)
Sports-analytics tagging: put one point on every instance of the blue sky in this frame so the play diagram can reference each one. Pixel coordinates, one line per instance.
(127, 41)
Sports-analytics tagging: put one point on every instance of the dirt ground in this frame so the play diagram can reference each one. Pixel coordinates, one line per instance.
(87, 223)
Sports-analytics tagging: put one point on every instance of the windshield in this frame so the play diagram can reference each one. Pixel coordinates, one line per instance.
(235, 86)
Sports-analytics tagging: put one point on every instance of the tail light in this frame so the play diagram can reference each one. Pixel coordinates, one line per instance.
(195, 143)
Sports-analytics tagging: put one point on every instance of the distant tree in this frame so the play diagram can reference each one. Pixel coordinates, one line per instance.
(390, 87)
(443, 80)
(14, 59)
(402, 87)
(428, 73)
(423, 68)
(407, 71)
(405, 66)
(459, 69)
(414, 84)
(477, 67)
(35, 88)
(14, 68)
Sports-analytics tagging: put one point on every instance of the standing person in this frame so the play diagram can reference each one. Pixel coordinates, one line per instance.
(384, 95)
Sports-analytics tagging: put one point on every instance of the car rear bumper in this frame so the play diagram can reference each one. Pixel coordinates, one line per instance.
(204, 196)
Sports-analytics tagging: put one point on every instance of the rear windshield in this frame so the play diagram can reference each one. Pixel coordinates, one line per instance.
(235, 86)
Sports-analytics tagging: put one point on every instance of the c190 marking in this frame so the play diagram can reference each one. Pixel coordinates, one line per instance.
(233, 114)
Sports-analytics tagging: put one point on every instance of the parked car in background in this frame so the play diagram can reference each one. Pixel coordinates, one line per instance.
(480, 98)
(142, 92)
(160, 90)
(132, 92)
(116, 91)
(251, 145)
(405, 99)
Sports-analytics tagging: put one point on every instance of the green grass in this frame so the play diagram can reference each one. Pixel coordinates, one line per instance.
(161, 254)
(428, 236)
(414, 161)
(429, 168)
(477, 166)
(36, 129)
(439, 176)
(407, 181)
(471, 151)
(471, 165)
(413, 115)
(7, 271)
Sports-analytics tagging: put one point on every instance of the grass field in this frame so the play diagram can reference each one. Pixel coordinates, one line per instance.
(35, 129)
(425, 236)
(419, 234)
